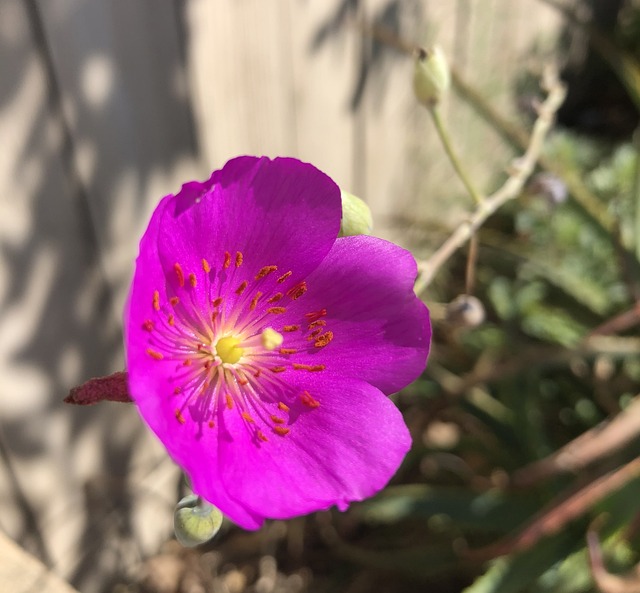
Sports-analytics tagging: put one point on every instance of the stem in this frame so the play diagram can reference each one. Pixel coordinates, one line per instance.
(453, 157)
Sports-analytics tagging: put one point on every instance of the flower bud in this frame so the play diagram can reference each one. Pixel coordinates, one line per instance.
(195, 521)
(431, 76)
(465, 311)
(356, 216)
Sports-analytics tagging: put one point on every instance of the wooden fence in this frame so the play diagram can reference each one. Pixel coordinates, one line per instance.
(107, 105)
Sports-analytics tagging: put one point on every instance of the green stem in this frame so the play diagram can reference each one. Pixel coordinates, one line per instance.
(453, 157)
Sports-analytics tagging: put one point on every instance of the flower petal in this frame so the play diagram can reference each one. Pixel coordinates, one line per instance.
(281, 213)
(345, 449)
(380, 330)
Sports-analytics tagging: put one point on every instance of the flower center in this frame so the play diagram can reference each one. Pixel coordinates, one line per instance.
(228, 349)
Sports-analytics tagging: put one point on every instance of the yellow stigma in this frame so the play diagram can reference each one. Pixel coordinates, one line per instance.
(228, 350)
(271, 339)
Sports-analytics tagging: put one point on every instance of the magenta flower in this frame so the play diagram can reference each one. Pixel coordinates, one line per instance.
(260, 346)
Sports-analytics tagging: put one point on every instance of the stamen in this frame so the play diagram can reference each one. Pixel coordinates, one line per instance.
(254, 301)
(297, 291)
(281, 430)
(156, 300)
(282, 406)
(261, 436)
(278, 369)
(264, 271)
(227, 260)
(323, 340)
(275, 298)
(217, 301)
(257, 373)
(187, 362)
(247, 417)
(179, 273)
(214, 314)
(174, 301)
(211, 424)
(314, 333)
(205, 266)
(180, 417)
(317, 323)
(276, 310)
(288, 350)
(242, 287)
(308, 367)
(308, 400)
(148, 325)
(229, 401)
(284, 276)
(193, 280)
(171, 319)
(155, 355)
(242, 380)
(277, 419)
(290, 328)
(315, 315)
(177, 390)
(239, 259)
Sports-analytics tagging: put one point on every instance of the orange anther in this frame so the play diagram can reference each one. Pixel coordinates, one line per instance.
(264, 271)
(180, 417)
(214, 314)
(308, 367)
(229, 401)
(281, 430)
(282, 406)
(297, 291)
(257, 373)
(205, 266)
(154, 354)
(323, 340)
(177, 390)
(290, 328)
(247, 417)
(254, 301)
(314, 333)
(308, 400)
(288, 350)
(227, 260)
(211, 424)
(284, 277)
(217, 301)
(276, 310)
(179, 274)
(187, 362)
(275, 298)
(156, 300)
(261, 436)
(148, 325)
(277, 419)
(193, 280)
(241, 288)
(315, 315)
(239, 259)
(174, 301)
(278, 369)
(317, 323)
(171, 319)
(243, 380)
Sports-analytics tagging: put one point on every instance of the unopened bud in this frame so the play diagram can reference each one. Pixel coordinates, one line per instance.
(195, 521)
(465, 311)
(356, 216)
(431, 75)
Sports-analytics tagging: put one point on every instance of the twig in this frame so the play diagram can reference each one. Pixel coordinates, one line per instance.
(596, 443)
(554, 518)
(522, 168)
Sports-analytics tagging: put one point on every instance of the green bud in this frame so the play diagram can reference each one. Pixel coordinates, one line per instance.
(356, 216)
(195, 521)
(431, 76)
